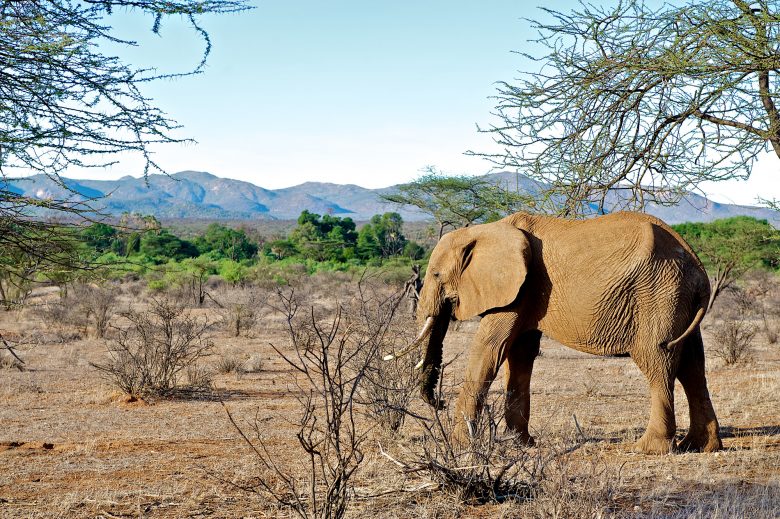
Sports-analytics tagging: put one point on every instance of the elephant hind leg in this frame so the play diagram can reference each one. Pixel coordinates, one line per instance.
(520, 362)
(703, 434)
(659, 367)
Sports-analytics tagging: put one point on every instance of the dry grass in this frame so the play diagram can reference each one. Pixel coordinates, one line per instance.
(72, 446)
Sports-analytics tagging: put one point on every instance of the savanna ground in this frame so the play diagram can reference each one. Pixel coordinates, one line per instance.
(72, 445)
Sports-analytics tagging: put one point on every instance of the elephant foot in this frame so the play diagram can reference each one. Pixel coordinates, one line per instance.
(526, 440)
(654, 444)
(522, 437)
(700, 440)
(461, 435)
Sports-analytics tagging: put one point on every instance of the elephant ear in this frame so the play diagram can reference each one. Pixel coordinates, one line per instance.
(495, 265)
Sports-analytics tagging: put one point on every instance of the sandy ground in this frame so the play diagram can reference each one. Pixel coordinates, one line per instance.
(72, 446)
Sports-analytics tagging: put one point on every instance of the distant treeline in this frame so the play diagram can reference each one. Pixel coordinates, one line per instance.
(141, 246)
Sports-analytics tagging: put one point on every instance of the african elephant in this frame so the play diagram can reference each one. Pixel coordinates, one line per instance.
(621, 284)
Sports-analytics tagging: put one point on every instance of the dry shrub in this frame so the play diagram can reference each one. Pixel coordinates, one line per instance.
(227, 364)
(733, 338)
(133, 287)
(388, 386)
(150, 355)
(9, 356)
(239, 308)
(9, 359)
(568, 488)
(63, 319)
(81, 306)
(766, 288)
(733, 335)
(95, 304)
(254, 364)
(491, 468)
(330, 438)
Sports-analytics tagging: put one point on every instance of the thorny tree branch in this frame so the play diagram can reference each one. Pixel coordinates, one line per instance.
(634, 105)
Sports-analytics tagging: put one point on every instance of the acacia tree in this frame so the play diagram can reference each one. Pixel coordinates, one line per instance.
(458, 201)
(732, 246)
(65, 102)
(634, 104)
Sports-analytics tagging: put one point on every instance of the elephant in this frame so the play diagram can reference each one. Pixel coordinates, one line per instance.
(622, 284)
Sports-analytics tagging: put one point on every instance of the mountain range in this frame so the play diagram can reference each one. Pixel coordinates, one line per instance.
(195, 194)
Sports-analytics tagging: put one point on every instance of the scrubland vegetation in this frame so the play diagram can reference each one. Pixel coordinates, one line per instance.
(137, 394)
(145, 374)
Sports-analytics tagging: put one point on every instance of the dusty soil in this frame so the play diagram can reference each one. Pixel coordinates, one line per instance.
(72, 446)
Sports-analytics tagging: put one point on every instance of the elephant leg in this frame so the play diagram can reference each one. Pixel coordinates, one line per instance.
(703, 434)
(520, 363)
(496, 333)
(659, 367)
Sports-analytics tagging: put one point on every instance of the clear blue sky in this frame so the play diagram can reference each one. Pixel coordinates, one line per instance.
(345, 91)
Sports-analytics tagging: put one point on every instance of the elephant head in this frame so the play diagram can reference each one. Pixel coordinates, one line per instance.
(471, 271)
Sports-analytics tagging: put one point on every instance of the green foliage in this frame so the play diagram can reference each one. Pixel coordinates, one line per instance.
(741, 241)
(232, 271)
(225, 243)
(280, 249)
(414, 250)
(100, 237)
(382, 237)
(324, 238)
(730, 247)
(317, 244)
(162, 246)
(459, 201)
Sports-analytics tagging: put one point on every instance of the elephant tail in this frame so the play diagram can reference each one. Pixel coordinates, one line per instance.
(691, 328)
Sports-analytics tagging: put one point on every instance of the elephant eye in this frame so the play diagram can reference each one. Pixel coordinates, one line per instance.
(435, 274)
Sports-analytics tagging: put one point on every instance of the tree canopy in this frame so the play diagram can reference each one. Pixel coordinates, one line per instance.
(65, 101)
(225, 243)
(730, 247)
(644, 102)
(458, 201)
(382, 237)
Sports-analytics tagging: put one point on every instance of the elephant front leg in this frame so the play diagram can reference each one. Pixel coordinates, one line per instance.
(520, 364)
(496, 333)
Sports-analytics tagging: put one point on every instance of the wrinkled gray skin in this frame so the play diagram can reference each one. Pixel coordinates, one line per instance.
(622, 284)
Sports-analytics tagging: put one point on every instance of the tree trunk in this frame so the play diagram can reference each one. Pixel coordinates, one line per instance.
(718, 283)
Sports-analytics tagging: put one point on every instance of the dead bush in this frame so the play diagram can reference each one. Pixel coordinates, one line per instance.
(766, 287)
(239, 308)
(9, 359)
(63, 320)
(81, 306)
(388, 386)
(254, 364)
(227, 364)
(133, 287)
(733, 340)
(324, 353)
(572, 487)
(199, 379)
(491, 468)
(149, 356)
(96, 305)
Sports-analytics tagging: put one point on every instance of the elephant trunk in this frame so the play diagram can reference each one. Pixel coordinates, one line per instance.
(430, 365)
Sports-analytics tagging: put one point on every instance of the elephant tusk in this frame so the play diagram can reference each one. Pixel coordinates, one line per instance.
(420, 364)
(425, 331)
